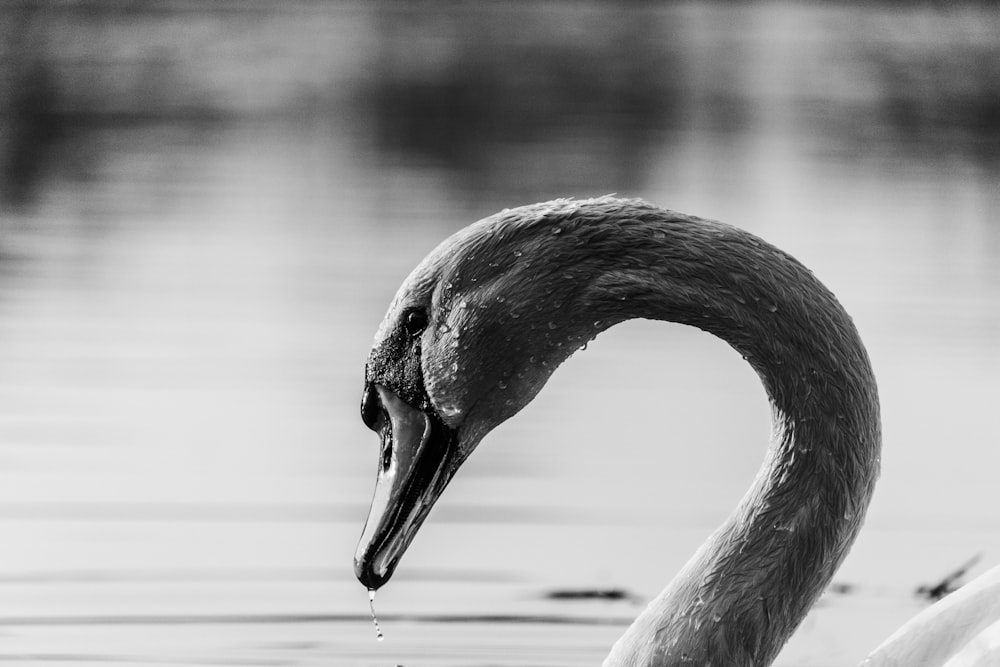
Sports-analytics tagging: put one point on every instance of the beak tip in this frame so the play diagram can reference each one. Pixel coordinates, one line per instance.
(366, 574)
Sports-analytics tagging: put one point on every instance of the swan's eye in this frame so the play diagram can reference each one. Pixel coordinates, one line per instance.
(415, 321)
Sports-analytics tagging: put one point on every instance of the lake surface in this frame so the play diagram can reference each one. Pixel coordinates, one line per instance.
(187, 301)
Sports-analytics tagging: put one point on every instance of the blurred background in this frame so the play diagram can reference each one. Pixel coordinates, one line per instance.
(205, 208)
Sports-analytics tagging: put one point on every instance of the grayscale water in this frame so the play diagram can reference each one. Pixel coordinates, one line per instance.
(203, 233)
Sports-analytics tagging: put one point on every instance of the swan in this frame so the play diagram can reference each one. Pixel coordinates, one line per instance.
(478, 327)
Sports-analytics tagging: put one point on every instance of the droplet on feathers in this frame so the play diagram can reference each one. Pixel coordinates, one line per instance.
(450, 410)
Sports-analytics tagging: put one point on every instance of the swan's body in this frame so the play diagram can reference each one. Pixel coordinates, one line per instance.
(476, 330)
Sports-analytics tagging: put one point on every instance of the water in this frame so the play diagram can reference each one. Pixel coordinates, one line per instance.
(187, 300)
(371, 605)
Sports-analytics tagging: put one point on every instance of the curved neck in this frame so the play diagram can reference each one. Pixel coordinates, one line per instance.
(744, 592)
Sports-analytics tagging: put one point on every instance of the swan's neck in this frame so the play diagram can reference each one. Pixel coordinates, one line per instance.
(744, 592)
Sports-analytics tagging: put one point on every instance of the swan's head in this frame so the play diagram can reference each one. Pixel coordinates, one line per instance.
(471, 337)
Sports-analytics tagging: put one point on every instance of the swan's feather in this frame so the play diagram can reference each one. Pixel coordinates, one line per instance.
(941, 631)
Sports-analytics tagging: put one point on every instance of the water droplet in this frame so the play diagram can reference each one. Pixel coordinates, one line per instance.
(502, 384)
(443, 328)
(532, 360)
(659, 235)
(371, 605)
(740, 298)
(463, 304)
(449, 410)
(585, 346)
(501, 299)
(518, 253)
(553, 325)
(772, 308)
(568, 276)
(597, 323)
(514, 315)
(557, 230)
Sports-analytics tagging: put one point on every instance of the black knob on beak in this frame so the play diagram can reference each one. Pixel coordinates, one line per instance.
(372, 413)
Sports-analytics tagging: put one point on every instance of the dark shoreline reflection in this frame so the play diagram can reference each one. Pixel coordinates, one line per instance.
(512, 103)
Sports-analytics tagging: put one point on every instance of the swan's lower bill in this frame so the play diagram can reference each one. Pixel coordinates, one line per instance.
(413, 471)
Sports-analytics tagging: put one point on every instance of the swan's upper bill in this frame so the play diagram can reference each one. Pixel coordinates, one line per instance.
(479, 326)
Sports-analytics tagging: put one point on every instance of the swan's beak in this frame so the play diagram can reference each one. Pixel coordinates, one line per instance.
(415, 464)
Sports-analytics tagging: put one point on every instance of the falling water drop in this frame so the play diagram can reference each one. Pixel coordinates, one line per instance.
(371, 605)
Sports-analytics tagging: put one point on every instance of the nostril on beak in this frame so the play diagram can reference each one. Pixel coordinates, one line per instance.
(387, 449)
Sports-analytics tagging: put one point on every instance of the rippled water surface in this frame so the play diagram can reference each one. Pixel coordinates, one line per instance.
(187, 299)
